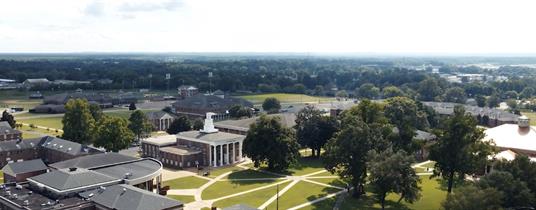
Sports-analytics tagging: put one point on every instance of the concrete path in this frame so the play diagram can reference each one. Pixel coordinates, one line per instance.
(43, 127)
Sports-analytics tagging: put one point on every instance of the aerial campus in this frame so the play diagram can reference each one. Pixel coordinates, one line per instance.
(268, 105)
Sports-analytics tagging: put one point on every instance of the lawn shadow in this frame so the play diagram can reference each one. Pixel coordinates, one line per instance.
(370, 203)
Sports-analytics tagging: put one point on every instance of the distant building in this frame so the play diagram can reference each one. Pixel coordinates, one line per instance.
(56, 103)
(514, 139)
(7, 133)
(196, 106)
(70, 82)
(160, 120)
(187, 91)
(19, 171)
(36, 95)
(490, 117)
(242, 126)
(36, 83)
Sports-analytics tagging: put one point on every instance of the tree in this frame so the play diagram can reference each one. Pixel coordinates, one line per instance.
(473, 198)
(238, 111)
(96, 112)
(179, 125)
(493, 101)
(515, 192)
(313, 130)
(480, 100)
(429, 89)
(198, 124)
(139, 124)
(132, 106)
(456, 95)
(346, 154)
(521, 168)
(271, 105)
(341, 94)
(268, 141)
(319, 90)
(527, 92)
(78, 124)
(113, 134)
(7, 117)
(511, 94)
(402, 112)
(512, 103)
(459, 149)
(368, 91)
(391, 172)
(392, 91)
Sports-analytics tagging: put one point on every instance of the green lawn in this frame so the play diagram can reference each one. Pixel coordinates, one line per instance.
(322, 205)
(253, 199)
(300, 193)
(305, 165)
(223, 188)
(183, 198)
(189, 182)
(249, 174)
(20, 102)
(219, 171)
(432, 196)
(51, 122)
(286, 98)
(331, 181)
(532, 116)
(26, 135)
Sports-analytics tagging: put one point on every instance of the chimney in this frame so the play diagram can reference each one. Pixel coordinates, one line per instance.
(208, 127)
(72, 169)
(523, 122)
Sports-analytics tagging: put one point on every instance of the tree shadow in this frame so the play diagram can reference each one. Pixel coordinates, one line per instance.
(370, 203)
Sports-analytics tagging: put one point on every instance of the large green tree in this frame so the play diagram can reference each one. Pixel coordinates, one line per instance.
(522, 169)
(313, 129)
(268, 141)
(7, 117)
(473, 198)
(515, 192)
(456, 95)
(392, 91)
(179, 125)
(429, 89)
(368, 90)
(271, 105)
(238, 111)
(96, 112)
(459, 149)
(402, 112)
(113, 134)
(78, 124)
(139, 124)
(391, 172)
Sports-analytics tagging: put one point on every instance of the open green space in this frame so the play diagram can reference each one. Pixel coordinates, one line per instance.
(322, 205)
(530, 115)
(189, 182)
(305, 165)
(11, 102)
(183, 198)
(27, 135)
(50, 122)
(249, 174)
(286, 98)
(301, 193)
(432, 195)
(219, 171)
(224, 188)
(253, 199)
(331, 181)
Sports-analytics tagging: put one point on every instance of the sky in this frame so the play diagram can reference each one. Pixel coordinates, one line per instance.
(328, 26)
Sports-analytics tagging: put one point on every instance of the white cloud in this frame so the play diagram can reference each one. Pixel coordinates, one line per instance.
(380, 26)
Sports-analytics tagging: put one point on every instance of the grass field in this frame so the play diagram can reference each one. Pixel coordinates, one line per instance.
(254, 199)
(189, 182)
(300, 193)
(223, 188)
(286, 98)
(24, 103)
(50, 122)
(183, 198)
(532, 116)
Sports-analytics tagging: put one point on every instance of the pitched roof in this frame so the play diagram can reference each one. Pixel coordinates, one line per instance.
(201, 101)
(64, 146)
(93, 161)
(209, 137)
(423, 135)
(66, 180)
(24, 167)
(8, 130)
(287, 119)
(157, 115)
(126, 197)
(4, 124)
(511, 136)
(240, 207)
(37, 80)
(19, 144)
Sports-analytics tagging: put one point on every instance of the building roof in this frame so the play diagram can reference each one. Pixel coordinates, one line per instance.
(287, 119)
(4, 124)
(63, 98)
(37, 80)
(507, 155)
(66, 180)
(19, 144)
(163, 140)
(240, 207)
(180, 150)
(208, 138)
(24, 167)
(7, 130)
(423, 135)
(132, 170)
(158, 115)
(446, 108)
(511, 136)
(211, 102)
(126, 197)
(93, 161)
(64, 146)
(186, 87)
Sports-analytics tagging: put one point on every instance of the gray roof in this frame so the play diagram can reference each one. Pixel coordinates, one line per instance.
(63, 98)
(4, 124)
(93, 161)
(126, 197)
(63, 145)
(137, 169)
(24, 167)
(38, 80)
(179, 150)
(209, 137)
(240, 207)
(446, 108)
(423, 135)
(157, 115)
(63, 179)
(8, 130)
(212, 102)
(287, 119)
(19, 144)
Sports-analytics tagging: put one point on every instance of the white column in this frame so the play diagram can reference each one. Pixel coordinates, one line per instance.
(214, 155)
(227, 155)
(221, 155)
(239, 151)
(232, 149)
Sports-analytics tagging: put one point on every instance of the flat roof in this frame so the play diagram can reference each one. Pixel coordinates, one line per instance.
(208, 138)
(93, 161)
(64, 180)
(511, 136)
(161, 140)
(137, 169)
(180, 150)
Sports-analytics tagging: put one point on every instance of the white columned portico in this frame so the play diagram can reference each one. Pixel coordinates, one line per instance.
(232, 153)
(214, 155)
(221, 155)
(227, 154)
